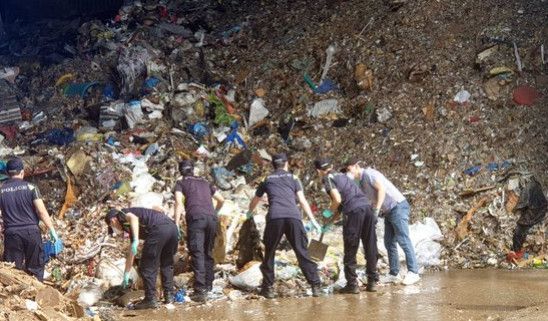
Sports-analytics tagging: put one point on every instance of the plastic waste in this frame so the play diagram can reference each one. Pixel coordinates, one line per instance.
(221, 176)
(52, 249)
(249, 279)
(132, 68)
(198, 130)
(325, 107)
(471, 171)
(81, 90)
(148, 200)
(462, 97)
(234, 138)
(91, 293)
(180, 296)
(425, 236)
(133, 113)
(257, 112)
(57, 136)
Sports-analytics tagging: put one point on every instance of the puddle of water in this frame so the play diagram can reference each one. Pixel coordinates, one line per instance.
(449, 295)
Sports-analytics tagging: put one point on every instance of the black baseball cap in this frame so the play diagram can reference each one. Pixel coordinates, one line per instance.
(280, 158)
(15, 165)
(112, 213)
(186, 166)
(322, 163)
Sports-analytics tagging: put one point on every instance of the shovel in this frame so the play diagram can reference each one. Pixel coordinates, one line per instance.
(317, 249)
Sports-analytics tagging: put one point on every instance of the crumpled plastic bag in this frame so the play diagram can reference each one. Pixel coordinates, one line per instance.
(248, 279)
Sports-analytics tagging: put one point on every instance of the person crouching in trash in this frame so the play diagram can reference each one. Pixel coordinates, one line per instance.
(160, 235)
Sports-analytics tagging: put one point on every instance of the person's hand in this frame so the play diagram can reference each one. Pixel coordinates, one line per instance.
(376, 211)
(316, 226)
(249, 215)
(125, 282)
(327, 213)
(134, 246)
(53, 235)
(179, 233)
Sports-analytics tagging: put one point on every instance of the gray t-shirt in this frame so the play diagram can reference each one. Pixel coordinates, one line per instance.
(393, 196)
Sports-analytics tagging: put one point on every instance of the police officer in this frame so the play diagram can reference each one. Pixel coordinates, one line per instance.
(22, 209)
(284, 218)
(160, 235)
(358, 223)
(196, 194)
(387, 200)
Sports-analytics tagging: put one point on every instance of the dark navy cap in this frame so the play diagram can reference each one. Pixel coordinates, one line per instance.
(186, 166)
(280, 158)
(322, 163)
(15, 165)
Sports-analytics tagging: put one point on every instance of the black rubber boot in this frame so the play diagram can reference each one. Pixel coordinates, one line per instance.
(168, 297)
(268, 292)
(317, 291)
(146, 304)
(371, 286)
(200, 295)
(350, 289)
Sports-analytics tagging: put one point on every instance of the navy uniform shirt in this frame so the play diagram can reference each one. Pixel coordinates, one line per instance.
(17, 204)
(197, 193)
(351, 195)
(147, 218)
(281, 188)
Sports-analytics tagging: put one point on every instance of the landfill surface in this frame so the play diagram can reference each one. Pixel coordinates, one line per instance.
(447, 99)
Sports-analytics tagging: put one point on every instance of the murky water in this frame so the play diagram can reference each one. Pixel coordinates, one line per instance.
(451, 295)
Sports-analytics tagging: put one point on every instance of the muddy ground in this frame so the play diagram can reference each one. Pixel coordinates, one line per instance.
(450, 295)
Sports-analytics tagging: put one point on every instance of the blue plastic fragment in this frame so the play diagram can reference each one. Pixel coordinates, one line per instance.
(234, 137)
(180, 296)
(493, 167)
(472, 170)
(198, 130)
(326, 86)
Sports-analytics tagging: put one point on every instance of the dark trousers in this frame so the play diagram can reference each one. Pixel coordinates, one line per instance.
(293, 230)
(360, 225)
(520, 234)
(158, 251)
(24, 248)
(201, 239)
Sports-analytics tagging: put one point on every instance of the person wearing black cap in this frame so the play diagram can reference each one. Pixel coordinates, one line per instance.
(22, 209)
(388, 201)
(160, 235)
(358, 223)
(196, 194)
(284, 218)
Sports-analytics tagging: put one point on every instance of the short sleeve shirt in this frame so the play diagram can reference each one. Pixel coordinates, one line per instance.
(197, 193)
(351, 195)
(17, 204)
(281, 188)
(147, 218)
(393, 196)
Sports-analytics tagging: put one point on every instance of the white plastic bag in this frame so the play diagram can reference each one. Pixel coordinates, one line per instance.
(248, 279)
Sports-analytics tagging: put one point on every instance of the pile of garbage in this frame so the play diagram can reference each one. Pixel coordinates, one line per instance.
(104, 117)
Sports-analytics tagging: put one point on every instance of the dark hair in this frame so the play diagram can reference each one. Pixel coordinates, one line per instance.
(186, 167)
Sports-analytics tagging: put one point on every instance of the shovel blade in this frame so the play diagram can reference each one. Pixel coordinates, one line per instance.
(317, 250)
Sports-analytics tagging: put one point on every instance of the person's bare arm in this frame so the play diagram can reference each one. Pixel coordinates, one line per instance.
(134, 225)
(179, 208)
(220, 201)
(129, 260)
(253, 204)
(381, 194)
(335, 203)
(306, 208)
(43, 213)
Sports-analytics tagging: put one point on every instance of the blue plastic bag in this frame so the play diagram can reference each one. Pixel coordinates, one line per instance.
(52, 249)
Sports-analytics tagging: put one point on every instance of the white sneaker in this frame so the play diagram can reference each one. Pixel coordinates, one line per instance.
(389, 278)
(411, 278)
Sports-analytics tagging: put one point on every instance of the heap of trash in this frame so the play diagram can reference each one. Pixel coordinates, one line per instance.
(104, 118)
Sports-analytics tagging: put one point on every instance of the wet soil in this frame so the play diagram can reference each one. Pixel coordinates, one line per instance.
(449, 295)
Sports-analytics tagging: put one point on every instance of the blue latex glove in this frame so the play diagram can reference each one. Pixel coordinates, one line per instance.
(134, 246)
(125, 283)
(53, 235)
(327, 213)
(326, 228)
(248, 215)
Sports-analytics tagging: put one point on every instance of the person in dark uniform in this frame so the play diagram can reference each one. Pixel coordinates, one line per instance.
(160, 235)
(284, 218)
(22, 209)
(359, 222)
(196, 193)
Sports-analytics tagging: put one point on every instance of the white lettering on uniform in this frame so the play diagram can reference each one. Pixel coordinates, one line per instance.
(14, 189)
